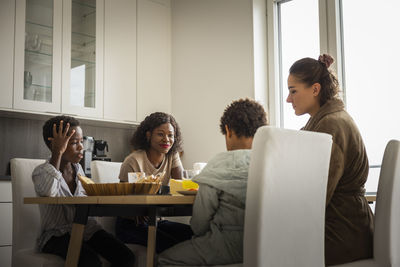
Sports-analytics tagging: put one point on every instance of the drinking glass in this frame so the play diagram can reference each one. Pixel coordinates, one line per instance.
(189, 174)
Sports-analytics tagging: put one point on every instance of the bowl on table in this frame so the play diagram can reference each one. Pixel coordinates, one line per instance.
(116, 189)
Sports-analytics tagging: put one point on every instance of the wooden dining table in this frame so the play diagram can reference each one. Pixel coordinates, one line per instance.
(130, 205)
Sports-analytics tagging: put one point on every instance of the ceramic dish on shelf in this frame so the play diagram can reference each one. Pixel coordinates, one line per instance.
(187, 192)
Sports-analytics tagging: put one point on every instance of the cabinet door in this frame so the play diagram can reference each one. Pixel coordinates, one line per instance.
(120, 60)
(37, 69)
(7, 15)
(154, 57)
(82, 87)
(5, 256)
(5, 224)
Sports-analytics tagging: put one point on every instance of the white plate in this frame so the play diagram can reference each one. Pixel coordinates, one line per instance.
(187, 192)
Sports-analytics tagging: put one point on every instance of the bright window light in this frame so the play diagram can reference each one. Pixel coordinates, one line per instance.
(78, 86)
(299, 37)
(371, 60)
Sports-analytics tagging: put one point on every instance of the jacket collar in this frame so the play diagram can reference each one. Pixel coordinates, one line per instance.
(331, 106)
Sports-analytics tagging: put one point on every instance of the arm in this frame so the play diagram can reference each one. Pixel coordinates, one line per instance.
(59, 143)
(204, 208)
(336, 166)
(47, 180)
(336, 169)
(176, 173)
(177, 168)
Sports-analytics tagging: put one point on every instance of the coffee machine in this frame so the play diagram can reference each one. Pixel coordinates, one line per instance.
(93, 150)
(88, 146)
(100, 148)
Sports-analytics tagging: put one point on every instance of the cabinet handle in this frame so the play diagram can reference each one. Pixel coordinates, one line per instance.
(51, 112)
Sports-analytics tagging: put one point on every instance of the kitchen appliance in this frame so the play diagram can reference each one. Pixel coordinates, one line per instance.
(88, 146)
(100, 146)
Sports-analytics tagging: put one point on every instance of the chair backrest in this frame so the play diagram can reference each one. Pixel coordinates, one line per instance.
(387, 209)
(106, 172)
(26, 218)
(286, 196)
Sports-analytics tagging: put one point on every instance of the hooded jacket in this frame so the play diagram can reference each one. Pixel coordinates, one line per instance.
(218, 214)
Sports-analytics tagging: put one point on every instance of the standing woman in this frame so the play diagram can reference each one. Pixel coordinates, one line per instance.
(313, 89)
(156, 143)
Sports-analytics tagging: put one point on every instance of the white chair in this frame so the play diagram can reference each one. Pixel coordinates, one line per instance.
(108, 172)
(26, 218)
(387, 213)
(286, 195)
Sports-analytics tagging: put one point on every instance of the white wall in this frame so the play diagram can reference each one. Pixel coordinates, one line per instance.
(212, 65)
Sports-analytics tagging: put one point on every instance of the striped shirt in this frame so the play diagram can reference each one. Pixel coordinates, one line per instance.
(56, 220)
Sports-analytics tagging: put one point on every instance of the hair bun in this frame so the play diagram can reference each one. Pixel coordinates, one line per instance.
(326, 59)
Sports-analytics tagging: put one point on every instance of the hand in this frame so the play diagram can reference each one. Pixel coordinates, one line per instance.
(60, 139)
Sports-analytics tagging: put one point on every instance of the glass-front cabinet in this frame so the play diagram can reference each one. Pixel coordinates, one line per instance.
(83, 29)
(57, 55)
(37, 73)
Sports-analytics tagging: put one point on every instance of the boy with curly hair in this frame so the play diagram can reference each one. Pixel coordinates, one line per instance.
(218, 211)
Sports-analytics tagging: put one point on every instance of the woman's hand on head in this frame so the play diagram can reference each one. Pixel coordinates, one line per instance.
(60, 139)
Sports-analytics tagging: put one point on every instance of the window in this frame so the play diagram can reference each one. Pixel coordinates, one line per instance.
(371, 64)
(364, 45)
(298, 29)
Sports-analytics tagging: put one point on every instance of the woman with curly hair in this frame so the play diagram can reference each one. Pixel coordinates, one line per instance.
(156, 143)
(218, 211)
(313, 89)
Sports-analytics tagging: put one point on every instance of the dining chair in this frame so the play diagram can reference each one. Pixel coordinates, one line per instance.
(108, 172)
(26, 218)
(387, 213)
(286, 195)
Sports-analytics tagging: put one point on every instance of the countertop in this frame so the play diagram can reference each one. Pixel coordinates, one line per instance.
(5, 178)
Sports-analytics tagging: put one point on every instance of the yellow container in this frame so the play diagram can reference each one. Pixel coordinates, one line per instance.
(181, 185)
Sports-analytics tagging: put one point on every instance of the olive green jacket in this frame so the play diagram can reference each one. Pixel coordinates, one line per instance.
(349, 219)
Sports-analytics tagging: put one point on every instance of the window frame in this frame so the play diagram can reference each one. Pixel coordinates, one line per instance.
(331, 42)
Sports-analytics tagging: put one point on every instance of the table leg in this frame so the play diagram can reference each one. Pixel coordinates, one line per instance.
(151, 245)
(151, 239)
(75, 242)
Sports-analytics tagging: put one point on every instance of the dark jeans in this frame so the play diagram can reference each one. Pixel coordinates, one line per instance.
(168, 233)
(102, 243)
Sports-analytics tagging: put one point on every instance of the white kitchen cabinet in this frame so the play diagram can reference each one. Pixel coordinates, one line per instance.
(7, 16)
(5, 223)
(5, 256)
(37, 69)
(96, 59)
(153, 57)
(120, 60)
(58, 56)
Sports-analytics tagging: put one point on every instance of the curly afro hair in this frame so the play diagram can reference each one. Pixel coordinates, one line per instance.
(244, 117)
(48, 126)
(139, 140)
